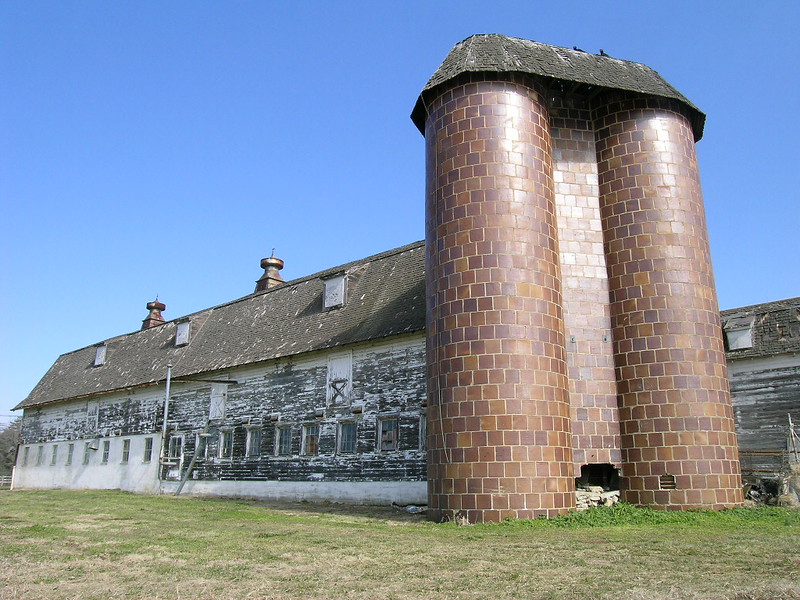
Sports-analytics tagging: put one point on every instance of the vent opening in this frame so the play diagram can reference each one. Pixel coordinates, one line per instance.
(667, 482)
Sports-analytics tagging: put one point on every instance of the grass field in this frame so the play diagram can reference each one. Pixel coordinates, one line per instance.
(104, 545)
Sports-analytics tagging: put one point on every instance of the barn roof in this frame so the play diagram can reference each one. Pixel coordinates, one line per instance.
(774, 328)
(499, 53)
(385, 296)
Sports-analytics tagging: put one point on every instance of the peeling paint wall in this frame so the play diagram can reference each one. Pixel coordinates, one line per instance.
(765, 391)
(764, 374)
(387, 382)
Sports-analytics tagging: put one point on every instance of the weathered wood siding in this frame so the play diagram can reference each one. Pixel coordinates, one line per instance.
(764, 393)
(387, 380)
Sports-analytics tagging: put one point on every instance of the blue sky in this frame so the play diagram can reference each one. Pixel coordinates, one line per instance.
(166, 147)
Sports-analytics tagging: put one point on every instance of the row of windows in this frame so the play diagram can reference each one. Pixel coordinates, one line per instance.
(89, 449)
(346, 442)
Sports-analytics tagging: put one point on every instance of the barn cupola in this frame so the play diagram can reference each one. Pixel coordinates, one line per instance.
(271, 276)
(154, 319)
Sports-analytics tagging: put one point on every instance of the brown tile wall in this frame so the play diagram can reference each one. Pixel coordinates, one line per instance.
(587, 317)
(675, 410)
(499, 433)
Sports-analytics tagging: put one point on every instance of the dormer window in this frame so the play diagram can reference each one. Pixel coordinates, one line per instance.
(739, 333)
(100, 355)
(182, 333)
(335, 291)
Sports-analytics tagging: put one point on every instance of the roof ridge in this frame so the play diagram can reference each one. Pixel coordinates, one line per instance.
(786, 301)
(193, 315)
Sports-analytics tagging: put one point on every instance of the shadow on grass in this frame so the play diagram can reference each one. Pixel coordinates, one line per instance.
(374, 512)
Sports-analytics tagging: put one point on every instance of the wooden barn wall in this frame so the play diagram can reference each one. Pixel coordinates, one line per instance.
(762, 400)
(387, 381)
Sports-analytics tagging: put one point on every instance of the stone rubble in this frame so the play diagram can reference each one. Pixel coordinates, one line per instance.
(592, 496)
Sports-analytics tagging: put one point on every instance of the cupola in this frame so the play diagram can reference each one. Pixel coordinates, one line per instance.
(271, 276)
(154, 319)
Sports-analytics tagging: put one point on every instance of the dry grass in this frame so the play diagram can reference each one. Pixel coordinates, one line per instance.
(105, 545)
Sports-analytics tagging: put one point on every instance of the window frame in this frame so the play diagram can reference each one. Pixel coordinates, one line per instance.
(175, 446)
(394, 444)
(251, 449)
(334, 293)
(307, 436)
(739, 338)
(100, 355)
(147, 453)
(283, 440)
(201, 446)
(183, 332)
(340, 438)
(225, 449)
(126, 451)
(106, 452)
(54, 455)
(70, 454)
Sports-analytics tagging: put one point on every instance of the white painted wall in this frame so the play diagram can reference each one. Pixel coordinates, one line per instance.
(133, 476)
(361, 492)
(763, 363)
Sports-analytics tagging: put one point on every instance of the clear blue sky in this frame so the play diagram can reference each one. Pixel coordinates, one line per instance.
(166, 147)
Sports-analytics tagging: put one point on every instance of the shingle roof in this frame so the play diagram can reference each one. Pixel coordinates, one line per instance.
(775, 327)
(386, 296)
(499, 53)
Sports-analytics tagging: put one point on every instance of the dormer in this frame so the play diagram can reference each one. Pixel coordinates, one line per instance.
(182, 332)
(335, 294)
(100, 355)
(739, 333)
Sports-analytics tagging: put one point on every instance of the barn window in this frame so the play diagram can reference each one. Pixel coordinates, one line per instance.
(106, 451)
(54, 455)
(283, 441)
(335, 292)
(201, 446)
(340, 374)
(175, 448)
(100, 355)
(219, 395)
(126, 451)
(388, 434)
(70, 454)
(148, 450)
(87, 452)
(739, 333)
(347, 437)
(310, 439)
(182, 333)
(226, 443)
(39, 455)
(739, 339)
(25, 453)
(253, 443)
